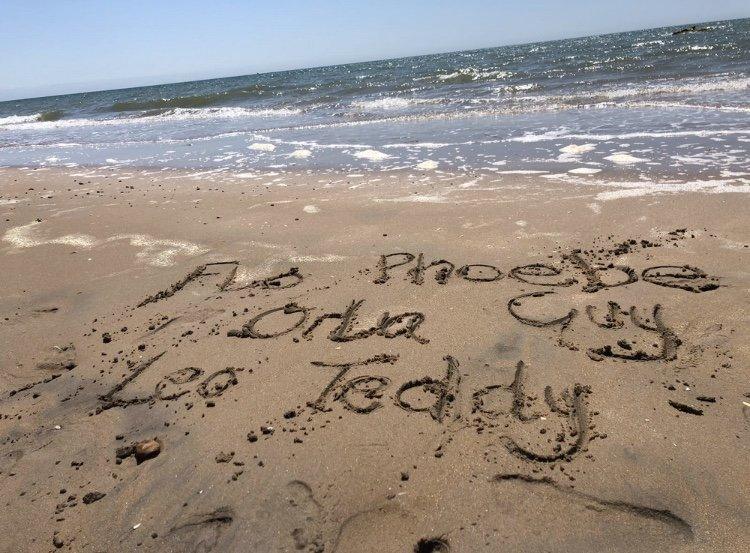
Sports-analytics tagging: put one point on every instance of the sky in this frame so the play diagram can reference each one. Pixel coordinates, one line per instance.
(63, 46)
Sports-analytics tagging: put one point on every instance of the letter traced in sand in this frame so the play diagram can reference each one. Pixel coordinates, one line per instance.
(368, 387)
(611, 319)
(684, 277)
(198, 272)
(288, 279)
(517, 302)
(517, 390)
(479, 272)
(109, 399)
(444, 390)
(614, 319)
(217, 383)
(669, 341)
(248, 329)
(282, 281)
(384, 267)
(176, 379)
(570, 406)
(593, 273)
(417, 273)
(530, 274)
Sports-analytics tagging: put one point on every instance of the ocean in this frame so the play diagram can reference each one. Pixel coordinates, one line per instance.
(638, 105)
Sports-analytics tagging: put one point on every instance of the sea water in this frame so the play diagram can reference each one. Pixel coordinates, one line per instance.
(638, 105)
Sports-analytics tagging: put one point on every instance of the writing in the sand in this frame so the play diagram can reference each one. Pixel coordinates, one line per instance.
(572, 269)
(499, 411)
(659, 341)
(388, 326)
(547, 427)
(174, 385)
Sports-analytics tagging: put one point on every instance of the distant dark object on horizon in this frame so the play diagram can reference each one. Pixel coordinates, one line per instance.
(692, 29)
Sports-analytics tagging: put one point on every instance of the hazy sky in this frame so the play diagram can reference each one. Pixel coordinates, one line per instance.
(60, 46)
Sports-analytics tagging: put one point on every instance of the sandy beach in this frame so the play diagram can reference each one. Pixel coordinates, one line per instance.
(398, 361)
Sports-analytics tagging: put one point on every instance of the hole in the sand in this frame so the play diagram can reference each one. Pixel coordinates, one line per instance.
(432, 545)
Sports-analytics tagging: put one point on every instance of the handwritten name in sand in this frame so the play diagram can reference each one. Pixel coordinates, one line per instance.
(500, 412)
(574, 268)
(388, 326)
(442, 399)
(172, 386)
(658, 343)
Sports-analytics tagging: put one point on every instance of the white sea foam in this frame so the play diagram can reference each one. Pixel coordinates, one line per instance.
(564, 135)
(577, 149)
(18, 119)
(473, 74)
(313, 143)
(262, 147)
(631, 189)
(726, 173)
(382, 103)
(311, 209)
(516, 88)
(681, 87)
(427, 165)
(300, 154)
(222, 113)
(427, 145)
(691, 105)
(522, 172)
(624, 158)
(371, 155)
(584, 171)
(648, 43)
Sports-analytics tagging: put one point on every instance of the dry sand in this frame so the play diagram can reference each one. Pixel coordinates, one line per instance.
(228, 364)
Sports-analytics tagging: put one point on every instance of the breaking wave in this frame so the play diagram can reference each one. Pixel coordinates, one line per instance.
(45, 116)
(35, 122)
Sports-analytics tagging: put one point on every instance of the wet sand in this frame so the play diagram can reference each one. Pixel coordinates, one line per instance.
(389, 362)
